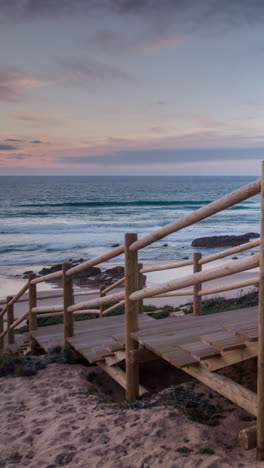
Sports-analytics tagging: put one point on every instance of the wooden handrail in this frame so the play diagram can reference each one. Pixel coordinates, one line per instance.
(97, 302)
(50, 276)
(169, 266)
(221, 204)
(229, 287)
(226, 253)
(186, 292)
(19, 320)
(114, 307)
(14, 298)
(95, 261)
(38, 310)
(203, 276)
(114, 285)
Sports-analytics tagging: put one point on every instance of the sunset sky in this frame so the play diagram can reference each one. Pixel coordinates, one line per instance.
(135, 87)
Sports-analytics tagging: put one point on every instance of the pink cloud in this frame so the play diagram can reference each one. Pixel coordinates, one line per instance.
(13, 82)
(163, 42)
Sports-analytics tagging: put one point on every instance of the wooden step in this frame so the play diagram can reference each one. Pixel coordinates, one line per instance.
(200, 350)
(223, 341)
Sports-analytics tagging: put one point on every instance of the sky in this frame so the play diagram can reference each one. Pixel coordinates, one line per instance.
(134, 87)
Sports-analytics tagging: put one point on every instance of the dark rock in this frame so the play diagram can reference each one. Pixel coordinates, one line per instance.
(26, 274)
(115, 245)
(165, 245)
(223, 241)
(185, 258)
(234, 258)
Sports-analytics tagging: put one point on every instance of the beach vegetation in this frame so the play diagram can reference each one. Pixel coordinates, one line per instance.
(206, 451)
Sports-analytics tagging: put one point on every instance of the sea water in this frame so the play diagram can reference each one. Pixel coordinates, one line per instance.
(50, 219)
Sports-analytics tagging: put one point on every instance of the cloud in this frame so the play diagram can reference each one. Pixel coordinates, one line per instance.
(35, 118)
(229, 12)
(7, 147)
(168, 42)
(88, 71)
(13, 84)
(13, 139)
(166, 156)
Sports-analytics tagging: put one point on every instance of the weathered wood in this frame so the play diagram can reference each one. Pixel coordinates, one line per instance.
(228, 358)
(197, 302)
(86, 293)
(55, 314)
(19, 294)
(68, 300)
(131, 317)
(196, 278)
(32, 302)
(248, 438)
(95, 261)
(49, 277)
(19, 320)
(1, 331)
(230, 286)
(119, 376)
(222, 203)
(55, 308)
(168, 266)
(260, 393)
(97, 302)
(115, 306)
(227, 252)
(223, 341)
(228, 388)
(102, 307)
(186, 292)
(140, 286)
(86, 311)
(10, 320)
(114, 285)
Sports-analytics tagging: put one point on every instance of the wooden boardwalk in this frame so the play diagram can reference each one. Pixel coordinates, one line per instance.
(215, 340)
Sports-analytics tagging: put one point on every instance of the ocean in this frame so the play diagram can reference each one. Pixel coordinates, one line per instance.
(50, 219)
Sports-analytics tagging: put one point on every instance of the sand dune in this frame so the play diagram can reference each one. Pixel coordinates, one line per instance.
(49, 421)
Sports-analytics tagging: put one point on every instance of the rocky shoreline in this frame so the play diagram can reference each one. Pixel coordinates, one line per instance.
(92, 277)
(95, 276)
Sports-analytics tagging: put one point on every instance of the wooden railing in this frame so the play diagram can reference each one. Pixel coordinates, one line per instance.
(133, 293)
(68, 308)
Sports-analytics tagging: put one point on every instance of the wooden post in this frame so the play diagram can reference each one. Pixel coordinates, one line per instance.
(102, 307)
(10, 320)
(1, 331)
(260, 395)
(131, 317)
(140, 286)
(197, 300)
(32, 302)
(68, 300)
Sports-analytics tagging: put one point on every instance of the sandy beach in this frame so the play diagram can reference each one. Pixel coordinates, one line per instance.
(57, 418)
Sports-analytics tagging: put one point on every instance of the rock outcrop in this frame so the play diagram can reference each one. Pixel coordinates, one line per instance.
(223, 241)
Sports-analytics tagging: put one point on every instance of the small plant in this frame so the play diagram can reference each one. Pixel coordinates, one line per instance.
(184, 451)
(206, 451)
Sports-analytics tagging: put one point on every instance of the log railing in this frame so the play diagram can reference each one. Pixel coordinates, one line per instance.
(133, 293)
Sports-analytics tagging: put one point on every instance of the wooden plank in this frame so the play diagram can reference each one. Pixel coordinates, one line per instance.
(246, 332)
(179, 358)
(119, 376)
(226, 387)
(228, 358)
(131, 317)
(223, 341)
(199, 350)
